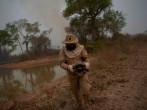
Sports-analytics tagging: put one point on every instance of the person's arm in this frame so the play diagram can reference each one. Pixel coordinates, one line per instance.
(62, 60)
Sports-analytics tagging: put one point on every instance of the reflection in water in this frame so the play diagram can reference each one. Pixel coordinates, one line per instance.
(18, 81)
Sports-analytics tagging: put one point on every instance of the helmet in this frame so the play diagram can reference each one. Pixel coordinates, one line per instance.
(70, 38)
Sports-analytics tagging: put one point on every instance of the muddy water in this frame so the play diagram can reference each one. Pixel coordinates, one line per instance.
(19, 81)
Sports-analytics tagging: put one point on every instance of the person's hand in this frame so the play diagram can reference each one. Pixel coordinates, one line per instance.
(87, 64)
(70, 68)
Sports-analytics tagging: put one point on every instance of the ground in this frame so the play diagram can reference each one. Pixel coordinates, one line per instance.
(119, 82)
(123, 82)
(32, 63)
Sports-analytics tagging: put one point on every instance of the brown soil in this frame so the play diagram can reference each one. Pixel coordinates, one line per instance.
(31, 63)
(118, 79)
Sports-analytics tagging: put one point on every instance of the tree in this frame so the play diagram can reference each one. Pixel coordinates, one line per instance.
(13, 31)
(7, 45)
(27, 31)
(7, 41)
(44, 38)
(22, 32)
(114, 21)
(41, 43)
(87, 18)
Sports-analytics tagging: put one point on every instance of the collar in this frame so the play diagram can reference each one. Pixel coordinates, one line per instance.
(74, 53)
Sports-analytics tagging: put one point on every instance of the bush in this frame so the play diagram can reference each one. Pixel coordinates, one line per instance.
(140, 38)
(98, 45)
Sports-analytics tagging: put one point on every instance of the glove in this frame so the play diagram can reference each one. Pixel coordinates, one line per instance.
(87, 64)
(70, 68)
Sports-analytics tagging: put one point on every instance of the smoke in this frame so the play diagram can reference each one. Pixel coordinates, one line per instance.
(49, 14)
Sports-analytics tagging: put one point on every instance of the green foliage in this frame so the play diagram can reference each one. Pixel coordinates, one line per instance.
(114, 21)
(27, 30)
(102, 86)
(7, 45)
(4, 37)
(14, 32)
(92, 47)
(98, 45)
(86, 7)
(7, 41)
(22, 32)
(32, 28)
(93, 19)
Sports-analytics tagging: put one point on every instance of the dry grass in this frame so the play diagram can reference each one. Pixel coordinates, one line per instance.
(103, 62)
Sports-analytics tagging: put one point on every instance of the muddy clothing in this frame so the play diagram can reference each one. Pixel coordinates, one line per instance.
(80, 85)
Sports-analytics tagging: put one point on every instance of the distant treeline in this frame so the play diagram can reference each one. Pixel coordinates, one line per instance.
(123, 40)
(20, 34)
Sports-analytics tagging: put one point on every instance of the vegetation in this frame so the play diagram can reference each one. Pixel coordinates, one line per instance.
(122, 39)
(116, 61)
(93, 19)
(112, 72)
(7, 45)
(24, 34)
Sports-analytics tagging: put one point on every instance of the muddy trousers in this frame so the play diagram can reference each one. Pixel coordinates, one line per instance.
(80, 87)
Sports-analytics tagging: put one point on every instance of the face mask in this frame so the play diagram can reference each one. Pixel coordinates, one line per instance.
(70, 47)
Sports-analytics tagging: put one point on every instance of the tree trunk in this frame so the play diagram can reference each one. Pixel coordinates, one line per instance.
(20, 46)
(93, 28)
(27, 48)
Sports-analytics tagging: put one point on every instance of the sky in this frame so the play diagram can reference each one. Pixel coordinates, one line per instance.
(135, 13)
(49, 14)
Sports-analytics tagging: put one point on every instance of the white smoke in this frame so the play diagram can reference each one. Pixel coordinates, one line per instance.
(48, 14)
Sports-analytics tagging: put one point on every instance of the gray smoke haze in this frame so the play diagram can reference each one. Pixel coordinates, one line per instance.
(48, 13)
(136, 14)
